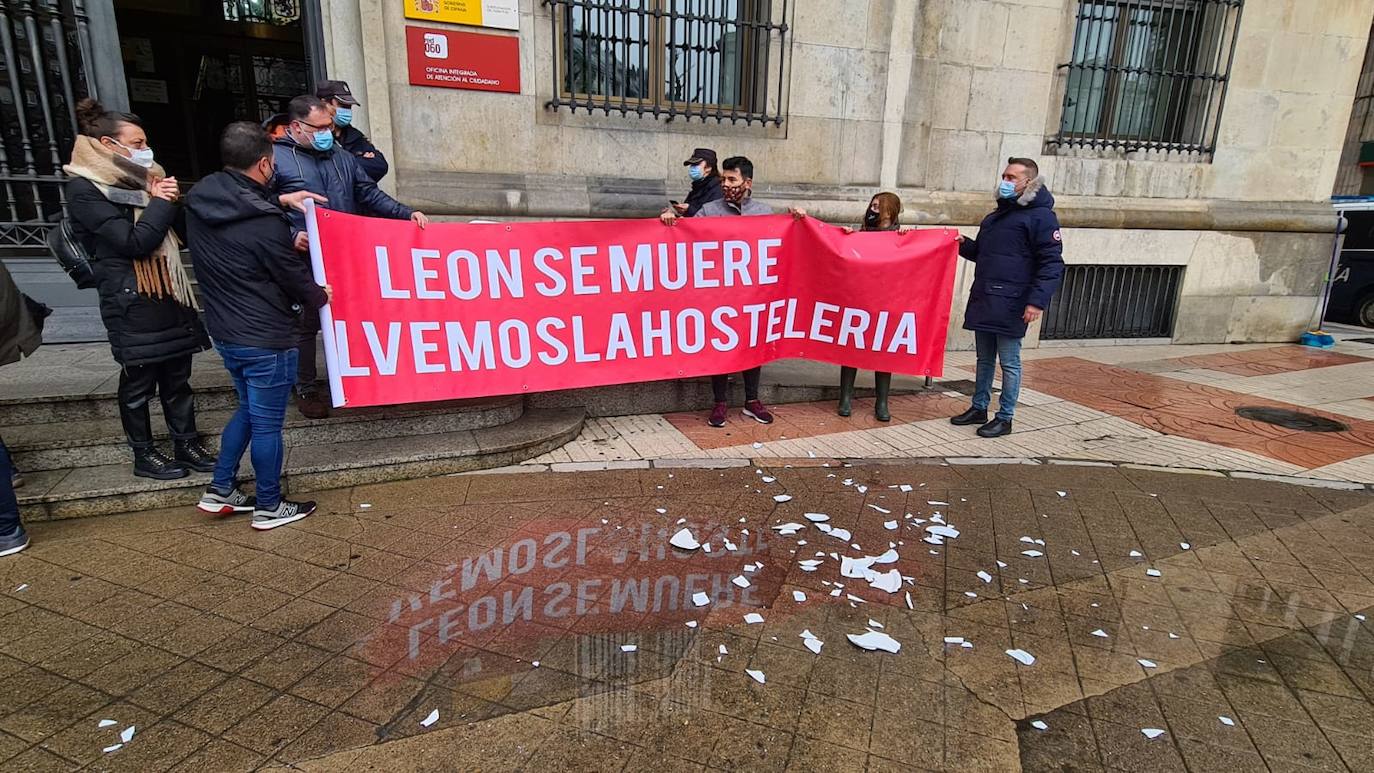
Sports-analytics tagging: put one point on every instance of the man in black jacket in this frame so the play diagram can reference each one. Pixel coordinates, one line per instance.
(255, 287)
(341, 103)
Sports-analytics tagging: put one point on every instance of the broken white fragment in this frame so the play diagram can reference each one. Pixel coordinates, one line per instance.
(127, 734)
(937, 504)
(1022, 657)
(1173, 635)
(943, 530)
(861, 489)
(1152, 732)
(690, 624)
(1135, 554)
(789, 529)
(839, 534)
(758, 445)
(629, 647)
(890, 581)
(882, 510)
(905, 487)
(700, 598)
(954, 640)
(816, 517)
(888, 557)
(1146, 663)
(970, 594)
(757, 676)
(365, 505)
(1225, 720)
(813, 644)
(536, 663)
(730, 545)
(1032, 553)
(684, 540)
(890, 525)
(105, 723)
(782, 498)
(798, 596)
(1028, 540)
(875, 640)
(431, 719)
(1002, 564)
(741, 581)
(1062, 493)
(1360, 618)
(113, 748)
(1075, 552)
(856, 568)
(984, 576)
(22, 586)
(1101, 634)
(722, 650)
(1152, 572)
(753, 617)
(1039, 725)
(1185, 546)
(660, 510)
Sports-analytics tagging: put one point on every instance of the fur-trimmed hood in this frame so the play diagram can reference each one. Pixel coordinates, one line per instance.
(1036, 194)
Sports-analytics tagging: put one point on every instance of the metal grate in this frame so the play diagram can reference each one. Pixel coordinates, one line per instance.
(1148, 75)
(704, 59)
(1114, 302)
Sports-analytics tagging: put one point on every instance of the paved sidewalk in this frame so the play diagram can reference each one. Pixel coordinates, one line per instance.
(1048, 617)
(1157, 405)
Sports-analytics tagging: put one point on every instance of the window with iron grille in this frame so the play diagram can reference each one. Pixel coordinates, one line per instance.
(1148, 75)
(706, 59)
(1114, 301)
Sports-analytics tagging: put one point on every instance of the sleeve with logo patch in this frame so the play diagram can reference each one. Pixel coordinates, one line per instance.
(1049, 261)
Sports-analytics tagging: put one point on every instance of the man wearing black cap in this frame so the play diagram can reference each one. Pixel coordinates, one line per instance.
(340, 100)
(701, 167)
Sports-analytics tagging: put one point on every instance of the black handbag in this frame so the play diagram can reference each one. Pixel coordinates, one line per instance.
(70, 254)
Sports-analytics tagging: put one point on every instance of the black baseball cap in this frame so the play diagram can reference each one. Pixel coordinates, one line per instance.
(702, 154)
(339, 90)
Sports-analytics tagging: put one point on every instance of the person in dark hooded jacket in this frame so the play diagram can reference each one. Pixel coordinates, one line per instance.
(123, 210)
(307, 159)
(706, 186)
(1018, 259)
(338, 97)
(256, 288)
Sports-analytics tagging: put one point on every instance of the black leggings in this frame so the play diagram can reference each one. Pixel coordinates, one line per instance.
(720, 385)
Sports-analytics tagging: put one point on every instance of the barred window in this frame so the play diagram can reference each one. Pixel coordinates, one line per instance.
(1148, 75)
(706, 59)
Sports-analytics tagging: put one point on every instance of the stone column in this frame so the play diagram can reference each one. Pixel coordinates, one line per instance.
(899, 60)
(357, 54)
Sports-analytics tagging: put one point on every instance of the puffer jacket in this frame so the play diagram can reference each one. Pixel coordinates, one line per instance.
(334, 174)
(1019, 261)
(357, 143)
(142, 329)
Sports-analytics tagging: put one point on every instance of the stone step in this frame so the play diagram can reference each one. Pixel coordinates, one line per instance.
(100, 441)
(44, 409)
(112, 488)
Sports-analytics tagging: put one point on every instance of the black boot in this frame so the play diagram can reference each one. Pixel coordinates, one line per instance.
(192, 454)
(971, 416)
(883, 383)
(995, 428)
(152, 463)
(847, 376)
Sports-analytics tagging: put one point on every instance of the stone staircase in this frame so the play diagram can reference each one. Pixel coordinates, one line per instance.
(75, 463)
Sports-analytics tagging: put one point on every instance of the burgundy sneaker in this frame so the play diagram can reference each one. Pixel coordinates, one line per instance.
(718, 414)
(754, 409)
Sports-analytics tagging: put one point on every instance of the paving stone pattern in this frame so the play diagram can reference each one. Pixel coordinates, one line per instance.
(327, 644)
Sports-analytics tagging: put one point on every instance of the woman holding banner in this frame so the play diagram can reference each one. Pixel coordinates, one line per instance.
(881, 215)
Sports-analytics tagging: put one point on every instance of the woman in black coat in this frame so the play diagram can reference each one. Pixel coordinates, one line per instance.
(122, 209)
(881, 215)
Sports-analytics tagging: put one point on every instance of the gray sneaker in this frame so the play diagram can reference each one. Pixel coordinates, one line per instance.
(216, 503)
(13, 541)
(285, 513)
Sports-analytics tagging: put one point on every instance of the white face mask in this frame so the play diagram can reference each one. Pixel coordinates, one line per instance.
(143, 156)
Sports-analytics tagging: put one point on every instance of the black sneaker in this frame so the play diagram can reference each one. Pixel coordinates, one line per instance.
(192, 454)
(217, 503)
(285, 513)
(14, 541)
(152, 463)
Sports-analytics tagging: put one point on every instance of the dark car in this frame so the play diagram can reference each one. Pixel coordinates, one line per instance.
(1352, 289)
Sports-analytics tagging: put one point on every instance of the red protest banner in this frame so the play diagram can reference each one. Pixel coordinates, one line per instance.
(472, 310)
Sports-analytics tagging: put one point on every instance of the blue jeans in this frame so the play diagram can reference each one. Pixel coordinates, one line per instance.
(991, 348)
(263, 379)
(9, 506)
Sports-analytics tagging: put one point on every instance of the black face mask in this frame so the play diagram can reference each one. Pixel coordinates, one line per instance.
(870, 219)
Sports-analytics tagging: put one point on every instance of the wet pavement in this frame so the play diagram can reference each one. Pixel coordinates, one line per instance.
(541, 621)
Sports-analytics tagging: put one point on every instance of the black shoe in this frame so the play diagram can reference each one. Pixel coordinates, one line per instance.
(152, 463)
(312, 402)
(995, 428)
(192, 454)
(14, 541)
(971, 416)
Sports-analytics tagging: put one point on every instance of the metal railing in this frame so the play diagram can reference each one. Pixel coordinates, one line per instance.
(45, 46)
(1114, 302)
(1148, 75)
(704, 59)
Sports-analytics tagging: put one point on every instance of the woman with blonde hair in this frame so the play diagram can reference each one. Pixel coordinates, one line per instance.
(881, 215)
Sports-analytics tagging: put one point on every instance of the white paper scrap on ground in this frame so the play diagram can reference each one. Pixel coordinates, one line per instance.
(934, 503)
(768, 479)
(365, 505)
(690, 624)
(1039, 725)
(954, 640)
(1062, 493)
(1225, 720)
(1360, 618)
(856, 568)
(984, 576)
(741, 581)
(1146, 663)
(1152, 732)
(889, 581)
(782, 497)
(22, 586)
(1135, 554)
(127, 734)
(1101, 634)
(1028, 540)
(536, 663)
(684, 540)
(816, 517)
(875, 640)
(943, 530)
(1032, 553)
(753, 617)
(813, 644)
(909, 605)
(904, 488)
(1185, 546)
(660, 510)
(789, 529)
(882, 510)
(888, 557)
(700, 598)
(431, 719)
(798, 596)
(757, 676)
(629, 647)
(105, 723)
(840, 534)
(722, 650)
(890, 525)
(730, 545)
(1152, 572)
(1022, 657)
(114, 748)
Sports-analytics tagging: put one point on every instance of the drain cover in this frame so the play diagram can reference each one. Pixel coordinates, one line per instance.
(1302, 422)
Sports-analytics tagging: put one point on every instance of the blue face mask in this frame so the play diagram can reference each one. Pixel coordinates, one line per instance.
(322, 139)
(1006, 190)
(696, 172)
(343, 116)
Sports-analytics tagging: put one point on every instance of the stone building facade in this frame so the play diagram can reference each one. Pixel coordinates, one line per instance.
(1222, 167)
